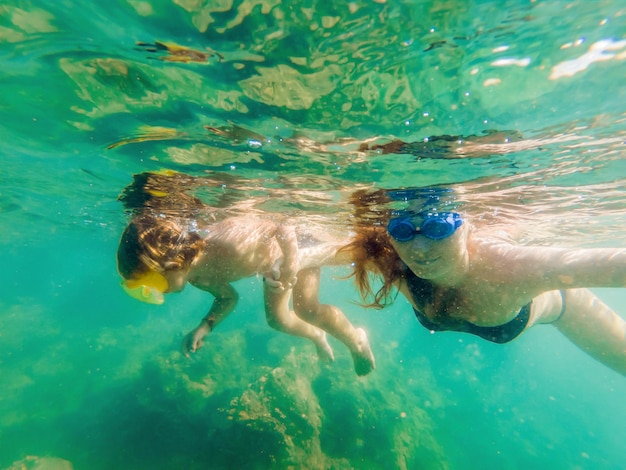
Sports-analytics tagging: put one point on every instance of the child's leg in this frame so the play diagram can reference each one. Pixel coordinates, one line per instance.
(280, 317)
(594, 327)
(331, 319)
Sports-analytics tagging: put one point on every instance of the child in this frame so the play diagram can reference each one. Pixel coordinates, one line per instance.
(160, 252)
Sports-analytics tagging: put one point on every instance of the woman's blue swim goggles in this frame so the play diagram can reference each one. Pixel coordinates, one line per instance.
(436, 226)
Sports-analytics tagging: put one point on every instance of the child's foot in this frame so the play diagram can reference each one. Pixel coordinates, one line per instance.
(324, 351)
(363, 357)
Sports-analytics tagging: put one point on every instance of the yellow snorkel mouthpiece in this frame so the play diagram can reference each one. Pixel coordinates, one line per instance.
(148, 288)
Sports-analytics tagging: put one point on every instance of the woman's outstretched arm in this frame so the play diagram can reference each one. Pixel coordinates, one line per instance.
(542, 269)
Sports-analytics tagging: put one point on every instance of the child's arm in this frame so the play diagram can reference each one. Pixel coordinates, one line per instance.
(285, 269)
(226, 298)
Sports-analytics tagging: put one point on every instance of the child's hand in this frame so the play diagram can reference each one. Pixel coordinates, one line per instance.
(272, 283)
(287, 274)
(281, 276)
(195, 339)
(287, 266)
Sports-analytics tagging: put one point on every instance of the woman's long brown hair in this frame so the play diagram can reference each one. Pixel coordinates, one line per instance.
(371, 250)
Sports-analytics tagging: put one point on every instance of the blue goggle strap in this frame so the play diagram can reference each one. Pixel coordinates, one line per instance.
(410, 194)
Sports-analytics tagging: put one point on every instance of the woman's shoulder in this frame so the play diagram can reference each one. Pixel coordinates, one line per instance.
(487, 238)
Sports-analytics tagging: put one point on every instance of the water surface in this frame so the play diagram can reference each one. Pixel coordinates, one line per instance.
(274, 100)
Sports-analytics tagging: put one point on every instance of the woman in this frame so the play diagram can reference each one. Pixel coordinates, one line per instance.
(463, 278)
(159, 253)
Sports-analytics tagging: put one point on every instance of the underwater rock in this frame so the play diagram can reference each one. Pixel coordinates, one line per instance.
(252, 401)
(282, 405)
(32, 462)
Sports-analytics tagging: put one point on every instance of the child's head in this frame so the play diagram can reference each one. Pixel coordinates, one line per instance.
(151, 248)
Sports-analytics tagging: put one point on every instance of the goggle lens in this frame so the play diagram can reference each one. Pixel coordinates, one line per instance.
(402, 229)
(434, 226)
(437, 228)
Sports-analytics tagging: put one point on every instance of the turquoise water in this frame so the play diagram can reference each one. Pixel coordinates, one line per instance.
(274, 104)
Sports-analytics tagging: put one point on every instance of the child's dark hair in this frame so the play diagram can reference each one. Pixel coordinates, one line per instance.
(154, 243)
(155, 238)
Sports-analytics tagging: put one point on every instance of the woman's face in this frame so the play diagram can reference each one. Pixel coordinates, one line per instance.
(439, 260)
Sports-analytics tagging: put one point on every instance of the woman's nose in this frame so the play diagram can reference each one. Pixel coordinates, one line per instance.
(421, 244)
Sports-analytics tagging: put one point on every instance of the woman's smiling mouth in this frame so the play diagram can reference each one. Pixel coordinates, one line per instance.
(425, 262)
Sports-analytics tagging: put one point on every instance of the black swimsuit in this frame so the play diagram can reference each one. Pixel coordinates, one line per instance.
(496, 334)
